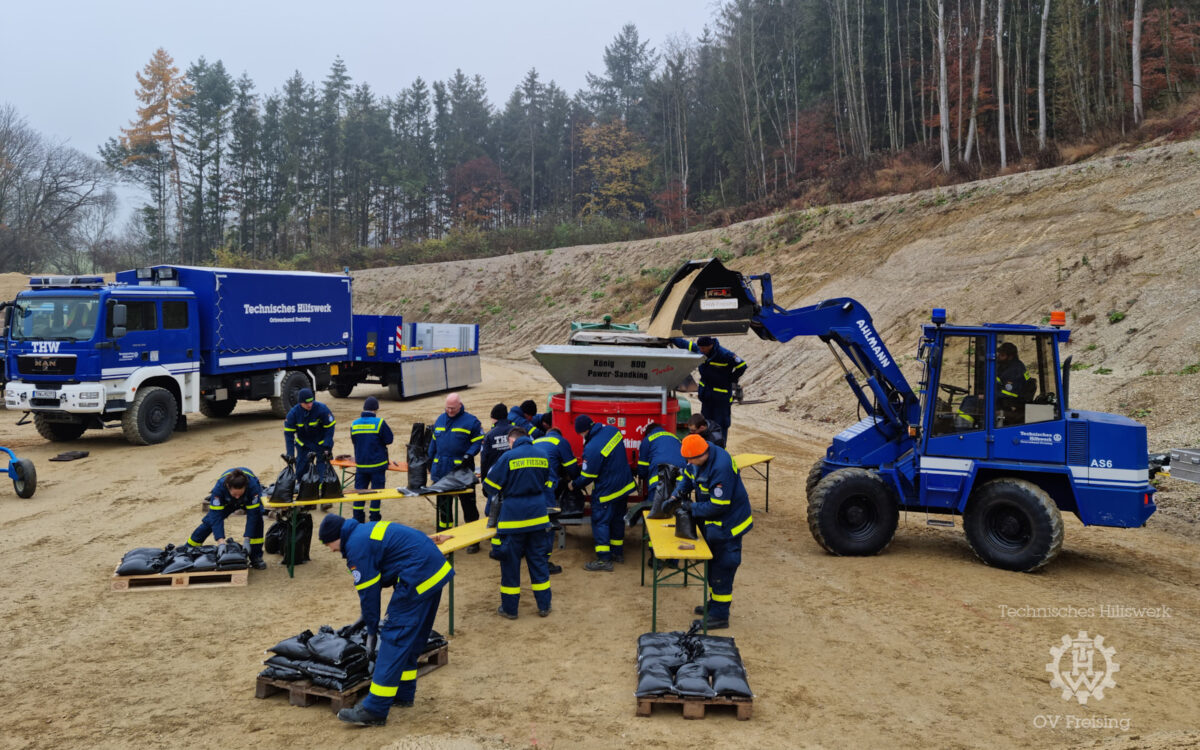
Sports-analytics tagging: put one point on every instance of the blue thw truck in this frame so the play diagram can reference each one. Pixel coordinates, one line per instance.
(167, 341)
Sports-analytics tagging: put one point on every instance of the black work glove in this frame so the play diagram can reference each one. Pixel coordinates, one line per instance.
(372, 643)
(328, 455)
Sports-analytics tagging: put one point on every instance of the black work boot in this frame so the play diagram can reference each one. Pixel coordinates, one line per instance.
(555, 569)
(712, 624)
(596, 565)
(258, 564)
(361, 716)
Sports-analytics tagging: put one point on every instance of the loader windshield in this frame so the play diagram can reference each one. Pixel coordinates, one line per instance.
(54, 318)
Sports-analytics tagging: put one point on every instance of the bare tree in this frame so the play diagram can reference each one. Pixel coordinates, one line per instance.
(1136, 63)
(943, 87)
(972, 127)
(1042, 77)
(1000, 77)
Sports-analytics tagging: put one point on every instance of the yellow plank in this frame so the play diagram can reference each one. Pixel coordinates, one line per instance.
(667, 546)
(465, 535)
(746, 460)
(364, 496)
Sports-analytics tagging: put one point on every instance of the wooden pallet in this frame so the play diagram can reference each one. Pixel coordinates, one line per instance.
(207, 579)
(304, 693)
(693, 708)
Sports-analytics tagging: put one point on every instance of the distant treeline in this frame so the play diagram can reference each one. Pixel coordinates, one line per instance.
(773, 96)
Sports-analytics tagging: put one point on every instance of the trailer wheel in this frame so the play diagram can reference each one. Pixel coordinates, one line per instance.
(815, 475)
(151, 418)
(217, 409)
(394, 391)
(25, 481)
(852, 512)
(340, 389)
(289, 393)
(58, 432)
(1013, 524)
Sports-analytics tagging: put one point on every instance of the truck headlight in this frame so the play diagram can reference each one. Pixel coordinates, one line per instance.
(89, 394)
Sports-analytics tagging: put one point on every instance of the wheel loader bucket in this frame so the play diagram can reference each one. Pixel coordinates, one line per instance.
(702, 298)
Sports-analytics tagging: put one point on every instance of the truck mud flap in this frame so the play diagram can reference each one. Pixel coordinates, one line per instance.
(702, 298)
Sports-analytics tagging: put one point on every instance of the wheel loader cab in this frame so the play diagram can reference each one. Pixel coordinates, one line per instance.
(995, 395)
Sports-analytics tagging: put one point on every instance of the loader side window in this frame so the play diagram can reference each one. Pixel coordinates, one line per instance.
(1026, 379)
(961, 388)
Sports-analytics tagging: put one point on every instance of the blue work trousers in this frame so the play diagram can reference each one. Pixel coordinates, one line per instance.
(727, 556)
(402, 638)
(534, 548)
(254, 528)
(368, 479)
(608, 527)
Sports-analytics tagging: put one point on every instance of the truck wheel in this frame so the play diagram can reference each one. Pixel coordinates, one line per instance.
(58, 432)
(339, 389)
(1013, 524)
(150, 419)
(289, 393)
(25, 481)
(394, 391)
(852, 512)
(217, 409)
(815, 475)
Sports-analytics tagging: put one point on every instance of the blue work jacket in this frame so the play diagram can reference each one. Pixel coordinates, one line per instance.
(517, 418)
(721, 499)
(604, 463)
(384, 553)
(495, 443)
(310, 429)
(455, 440)
(658, 447)
(719, 371)
(371, 437)
(521, 478)
(556, 449)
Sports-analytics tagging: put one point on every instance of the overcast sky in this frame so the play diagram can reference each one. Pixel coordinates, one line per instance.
(68, 67)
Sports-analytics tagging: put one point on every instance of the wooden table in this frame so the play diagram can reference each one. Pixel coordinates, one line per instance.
(348, 464)
(461, 537)
(753, 461)
(366, 497)
(666, 546)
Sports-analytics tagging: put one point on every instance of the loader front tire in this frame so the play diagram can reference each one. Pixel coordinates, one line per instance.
(852, 512)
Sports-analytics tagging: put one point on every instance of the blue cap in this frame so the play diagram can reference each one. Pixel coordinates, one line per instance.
(304, 396)
(705, 341)
(331, 528)
(583, 423)
(371, 404)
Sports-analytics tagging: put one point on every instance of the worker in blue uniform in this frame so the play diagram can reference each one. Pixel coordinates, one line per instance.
(541, 424)
(658, 447)
(371, 437)
(564, 467)
(522, 416)
(604, 463)
(719, 375)
(308, 430)
(495, 443)
(457, 439)
(235, 489)
(390, 554)
(724, 506)
(1013, 387)
(518, 483)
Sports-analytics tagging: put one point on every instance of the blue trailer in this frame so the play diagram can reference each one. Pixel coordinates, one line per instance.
(164, 342)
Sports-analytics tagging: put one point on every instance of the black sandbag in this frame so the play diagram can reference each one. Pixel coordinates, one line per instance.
(294, 647)
(179, 564)
(205, 562)
(351, 670)
(331, 485)
(303, 539)
(233, 558)
(353, 631)
(715, 662)
(571, 501)
(285, 485)
(418, 456)
(672, 660)
(731, 681)
(715, 641)
(692, 680)
(139, 566)
(331, 648)
(659, 639)
(654, 679)
(275, 538)
(660, 494)
(685, 525)
(142, 552)
(459, 479)
(279, 660)
(338, 685)
(282, 673)
(310, 483)
(435, 640)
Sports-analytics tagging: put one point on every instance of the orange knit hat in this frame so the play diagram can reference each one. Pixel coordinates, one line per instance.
(694, 446)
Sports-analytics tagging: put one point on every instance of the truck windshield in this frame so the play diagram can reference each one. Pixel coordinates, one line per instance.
(54, 318)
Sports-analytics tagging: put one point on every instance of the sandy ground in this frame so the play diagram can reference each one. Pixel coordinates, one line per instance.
(911, 648)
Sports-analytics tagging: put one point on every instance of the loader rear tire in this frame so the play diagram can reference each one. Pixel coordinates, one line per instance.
(58, 432)
(852, 512)
(25, 483)
(1013, 524)
(151, 418)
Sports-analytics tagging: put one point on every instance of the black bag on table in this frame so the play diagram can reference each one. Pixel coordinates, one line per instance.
(331, 485)
(285, 485)
(685, 525)
(310, 482)
(418, 456)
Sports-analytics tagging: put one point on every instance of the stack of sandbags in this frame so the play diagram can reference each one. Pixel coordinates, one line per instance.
(690, 665)
(336, 659)
(183, 559)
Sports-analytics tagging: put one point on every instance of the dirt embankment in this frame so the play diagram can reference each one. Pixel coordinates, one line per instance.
(920, 647)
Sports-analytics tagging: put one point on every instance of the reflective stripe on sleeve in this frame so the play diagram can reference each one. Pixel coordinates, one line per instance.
(741, 526)
(434, 579)
(369, 583)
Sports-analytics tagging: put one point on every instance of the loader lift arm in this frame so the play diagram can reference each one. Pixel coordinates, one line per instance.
(706, 305)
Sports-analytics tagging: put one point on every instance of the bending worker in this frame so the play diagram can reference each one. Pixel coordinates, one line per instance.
(308, 430)
(457, 438)
(723, 505)
(658, 447)
(563, 468)
(719, 375)
(237, 488)
(390, 554)
(371, 437)
(518, 483)
(605, 463)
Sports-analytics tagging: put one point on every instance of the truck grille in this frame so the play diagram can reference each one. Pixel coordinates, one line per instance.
(35, 365)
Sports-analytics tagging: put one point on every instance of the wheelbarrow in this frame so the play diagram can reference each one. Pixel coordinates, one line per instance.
(22, 473)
